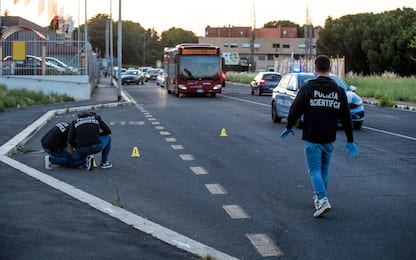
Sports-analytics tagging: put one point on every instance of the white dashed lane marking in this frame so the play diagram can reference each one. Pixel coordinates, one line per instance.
(198, 170)
(170, 140)
(160, 128)
(264, 245)
(235, 212)
(164, 133)
(215, 189)
(187, 157)
(177, 146)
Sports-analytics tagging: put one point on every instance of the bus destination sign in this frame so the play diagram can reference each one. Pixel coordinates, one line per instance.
(199, 51)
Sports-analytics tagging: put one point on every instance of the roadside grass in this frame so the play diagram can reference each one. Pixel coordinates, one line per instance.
(386, 88)
(24, 98)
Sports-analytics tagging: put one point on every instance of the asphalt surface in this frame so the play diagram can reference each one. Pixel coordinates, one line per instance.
(373, 198)
(38, 221)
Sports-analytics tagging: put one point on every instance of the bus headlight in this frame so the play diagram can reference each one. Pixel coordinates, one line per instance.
(217, 86)
(182, 87)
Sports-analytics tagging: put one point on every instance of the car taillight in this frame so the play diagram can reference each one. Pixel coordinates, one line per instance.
(262, 82)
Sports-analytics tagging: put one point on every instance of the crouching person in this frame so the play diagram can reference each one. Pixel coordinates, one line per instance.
(88, 135)
(54, 143)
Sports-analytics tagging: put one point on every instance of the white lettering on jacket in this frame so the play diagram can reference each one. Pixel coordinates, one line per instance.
(325, 100)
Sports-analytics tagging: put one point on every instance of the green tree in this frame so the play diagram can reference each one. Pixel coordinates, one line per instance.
(371, 43)
(175, 36)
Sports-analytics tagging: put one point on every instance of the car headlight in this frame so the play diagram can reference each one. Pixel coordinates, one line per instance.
(181, 86)
(217, 86)
(357, 103)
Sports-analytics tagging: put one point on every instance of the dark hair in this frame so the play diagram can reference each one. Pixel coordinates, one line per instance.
(322, 63)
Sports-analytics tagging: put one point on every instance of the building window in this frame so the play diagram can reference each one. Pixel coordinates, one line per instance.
(286, 46)
(245, 45)
(276, 45)
(234, 45)
(225, 44)
(270, 56)
(262, 57)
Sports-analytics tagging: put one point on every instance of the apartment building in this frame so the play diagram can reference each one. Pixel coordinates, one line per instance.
(269, 45)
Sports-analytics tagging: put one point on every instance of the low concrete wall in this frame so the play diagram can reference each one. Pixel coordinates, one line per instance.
(76, 86)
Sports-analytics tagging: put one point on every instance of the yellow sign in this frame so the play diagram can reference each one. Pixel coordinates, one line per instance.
(135, 152)
(223, 132)
(19, 51)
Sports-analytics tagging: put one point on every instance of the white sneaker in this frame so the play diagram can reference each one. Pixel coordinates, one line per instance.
(106, 165)
(47, 162)
(89, 163)
(316, 201)
(323, 208)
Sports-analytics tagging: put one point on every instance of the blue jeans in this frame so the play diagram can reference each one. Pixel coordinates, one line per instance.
(60, 157)
(81, 153)
(318, 157)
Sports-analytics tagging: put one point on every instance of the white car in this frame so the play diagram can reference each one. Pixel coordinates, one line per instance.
(160, 79)
(61, 64)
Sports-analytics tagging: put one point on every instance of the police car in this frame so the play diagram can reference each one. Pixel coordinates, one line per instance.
(284, 94)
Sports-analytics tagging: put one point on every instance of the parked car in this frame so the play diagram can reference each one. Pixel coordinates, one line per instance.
(132, 76)
(160, 79)
(290, 84)
(151, 74)
(264, 82)
(57, 62)
(30, 66)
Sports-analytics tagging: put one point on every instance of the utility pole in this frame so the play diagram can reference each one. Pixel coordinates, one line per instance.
(308, 35)
(119, 50)
(111, 43)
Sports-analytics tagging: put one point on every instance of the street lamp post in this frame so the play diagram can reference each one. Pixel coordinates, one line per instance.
(119, 50)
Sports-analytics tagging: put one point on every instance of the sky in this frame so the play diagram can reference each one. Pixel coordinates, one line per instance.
(195, 15)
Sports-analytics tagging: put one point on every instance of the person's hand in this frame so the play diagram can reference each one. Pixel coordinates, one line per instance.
(285, 132)
(352, 149)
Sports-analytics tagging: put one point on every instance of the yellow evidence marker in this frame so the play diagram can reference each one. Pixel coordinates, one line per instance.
(223, 132)
(135, 152)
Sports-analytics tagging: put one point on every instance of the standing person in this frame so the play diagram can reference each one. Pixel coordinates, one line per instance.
(89, 135)
(322, 103)
(54, 143)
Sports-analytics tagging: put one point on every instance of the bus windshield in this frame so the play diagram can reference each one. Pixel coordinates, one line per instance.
(199, 67)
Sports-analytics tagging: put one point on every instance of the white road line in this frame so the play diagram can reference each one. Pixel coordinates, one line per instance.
(264, 245)
(198, 170)
(235, 212)
(170, 139)
(167, 235)
(160, 127)
(389, 133)
(215, 189)
(148, 115)
(155, 123)
(245, 100)
(136, 123)
(177, 146)
(151, 119)
(187, 157)
(164, 133)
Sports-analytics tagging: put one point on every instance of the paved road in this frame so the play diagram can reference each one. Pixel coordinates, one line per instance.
(249, 187)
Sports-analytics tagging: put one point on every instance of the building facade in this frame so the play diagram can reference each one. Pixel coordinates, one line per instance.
(259, 52)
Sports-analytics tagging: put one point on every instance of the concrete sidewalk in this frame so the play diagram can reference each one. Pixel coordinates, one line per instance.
(40, 222)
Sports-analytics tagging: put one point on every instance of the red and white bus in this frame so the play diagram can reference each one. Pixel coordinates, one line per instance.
(193, 68)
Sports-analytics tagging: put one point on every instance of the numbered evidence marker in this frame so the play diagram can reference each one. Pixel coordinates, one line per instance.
(135, 152)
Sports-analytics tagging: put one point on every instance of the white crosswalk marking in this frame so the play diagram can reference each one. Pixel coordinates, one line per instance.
(198, 170)
(215, 189)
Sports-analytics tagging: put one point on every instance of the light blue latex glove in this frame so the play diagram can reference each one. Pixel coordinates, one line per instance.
(352, 149)
(285, 132)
